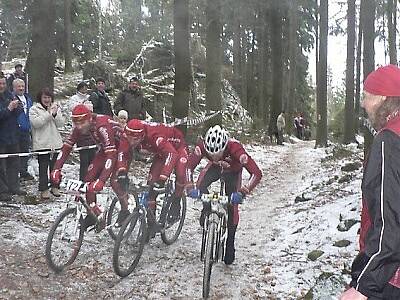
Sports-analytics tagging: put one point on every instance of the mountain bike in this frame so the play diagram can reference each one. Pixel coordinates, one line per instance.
(214, 233)
(66, 234)
(143, 224)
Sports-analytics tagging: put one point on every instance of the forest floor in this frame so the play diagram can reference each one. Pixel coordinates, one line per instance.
(275, 243)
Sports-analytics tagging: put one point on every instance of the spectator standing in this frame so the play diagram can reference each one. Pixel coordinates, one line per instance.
(375, 271)
(18, 73)
(85, 155)
(24, 132)
(99, 98)
(133, 101)
(45, 116)
(123, 117)
(298, 124)
(9, 111)
(280, 124)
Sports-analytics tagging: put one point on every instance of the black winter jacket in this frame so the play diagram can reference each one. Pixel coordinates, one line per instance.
(379, 258)
(134, 103)
(101, 103)
(9, 127)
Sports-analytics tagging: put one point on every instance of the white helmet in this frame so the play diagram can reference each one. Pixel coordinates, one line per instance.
(215, 140)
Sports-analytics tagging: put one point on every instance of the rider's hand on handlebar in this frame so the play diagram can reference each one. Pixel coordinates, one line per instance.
(194, 193)
(123, 179)
(55, 176)
(158, 186)
(95, 186)
(237, 198)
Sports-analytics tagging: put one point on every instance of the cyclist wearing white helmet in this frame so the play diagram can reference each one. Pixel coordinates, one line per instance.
(227, 158)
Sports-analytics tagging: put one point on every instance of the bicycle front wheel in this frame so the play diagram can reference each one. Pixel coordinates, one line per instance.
(173, 228)
(208, 259)
(129, 244)
(64, 240)
(112, 216)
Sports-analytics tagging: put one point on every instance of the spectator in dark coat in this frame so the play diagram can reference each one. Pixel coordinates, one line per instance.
(18, 73)
(299, 126)
(24, 132)
(9, 111)
(101, 102)
(133, 101)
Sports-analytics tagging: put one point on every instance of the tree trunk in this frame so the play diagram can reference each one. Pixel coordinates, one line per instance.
(244, 67)
(322, 128)
(349, 105)
(316, 43)
(180, 105)
(100, 30)
(213, 60)
(293, 49)
(391, 16)
(277, 65)
(368, 21)
(262, 68)
(358, 73)
(67, 36)
(41, 58)
(237, 48)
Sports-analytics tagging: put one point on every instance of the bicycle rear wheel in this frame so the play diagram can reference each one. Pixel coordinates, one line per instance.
(64, 240)
(172, 230)
(129, 244)
(208, 259)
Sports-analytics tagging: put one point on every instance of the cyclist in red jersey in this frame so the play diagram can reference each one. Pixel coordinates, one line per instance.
(170, 149)
(106, 133)
(227, 158)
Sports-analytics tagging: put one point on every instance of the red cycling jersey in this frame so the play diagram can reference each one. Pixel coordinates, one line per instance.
(166, 142)
(106, 134)
(234, 159)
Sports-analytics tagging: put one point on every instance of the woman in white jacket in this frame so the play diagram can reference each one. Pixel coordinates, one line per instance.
(45, 117)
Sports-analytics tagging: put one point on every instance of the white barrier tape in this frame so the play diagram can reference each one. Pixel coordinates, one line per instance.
(177, 122)
(367, 123)
(194, 122)
(6, 155)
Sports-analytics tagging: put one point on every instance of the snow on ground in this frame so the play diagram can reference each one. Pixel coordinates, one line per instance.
(274, 238)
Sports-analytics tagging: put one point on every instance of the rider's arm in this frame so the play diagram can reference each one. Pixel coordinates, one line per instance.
(247, 162)
(66, 149)
(107, 140)
(124, 156)
(168, 151)
(195, 157)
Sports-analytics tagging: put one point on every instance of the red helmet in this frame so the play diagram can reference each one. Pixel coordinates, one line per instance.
(135, 129)
(80, 113)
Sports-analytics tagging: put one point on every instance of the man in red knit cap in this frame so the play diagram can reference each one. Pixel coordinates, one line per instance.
(375, 270)
(106, 134)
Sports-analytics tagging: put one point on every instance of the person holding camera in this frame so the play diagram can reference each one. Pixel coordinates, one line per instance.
(24, 126)
(10, 109)
(46, 117)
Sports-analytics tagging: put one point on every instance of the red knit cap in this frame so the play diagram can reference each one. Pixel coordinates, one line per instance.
(81, 112)
(135, 128)
(385, 81)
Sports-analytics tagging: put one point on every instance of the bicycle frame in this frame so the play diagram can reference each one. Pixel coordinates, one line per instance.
(142, 204)
(75, 191)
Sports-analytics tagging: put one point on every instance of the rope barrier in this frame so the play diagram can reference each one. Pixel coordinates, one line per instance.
(23, 154)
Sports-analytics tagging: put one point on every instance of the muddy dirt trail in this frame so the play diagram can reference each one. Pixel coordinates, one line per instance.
(163, 272)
